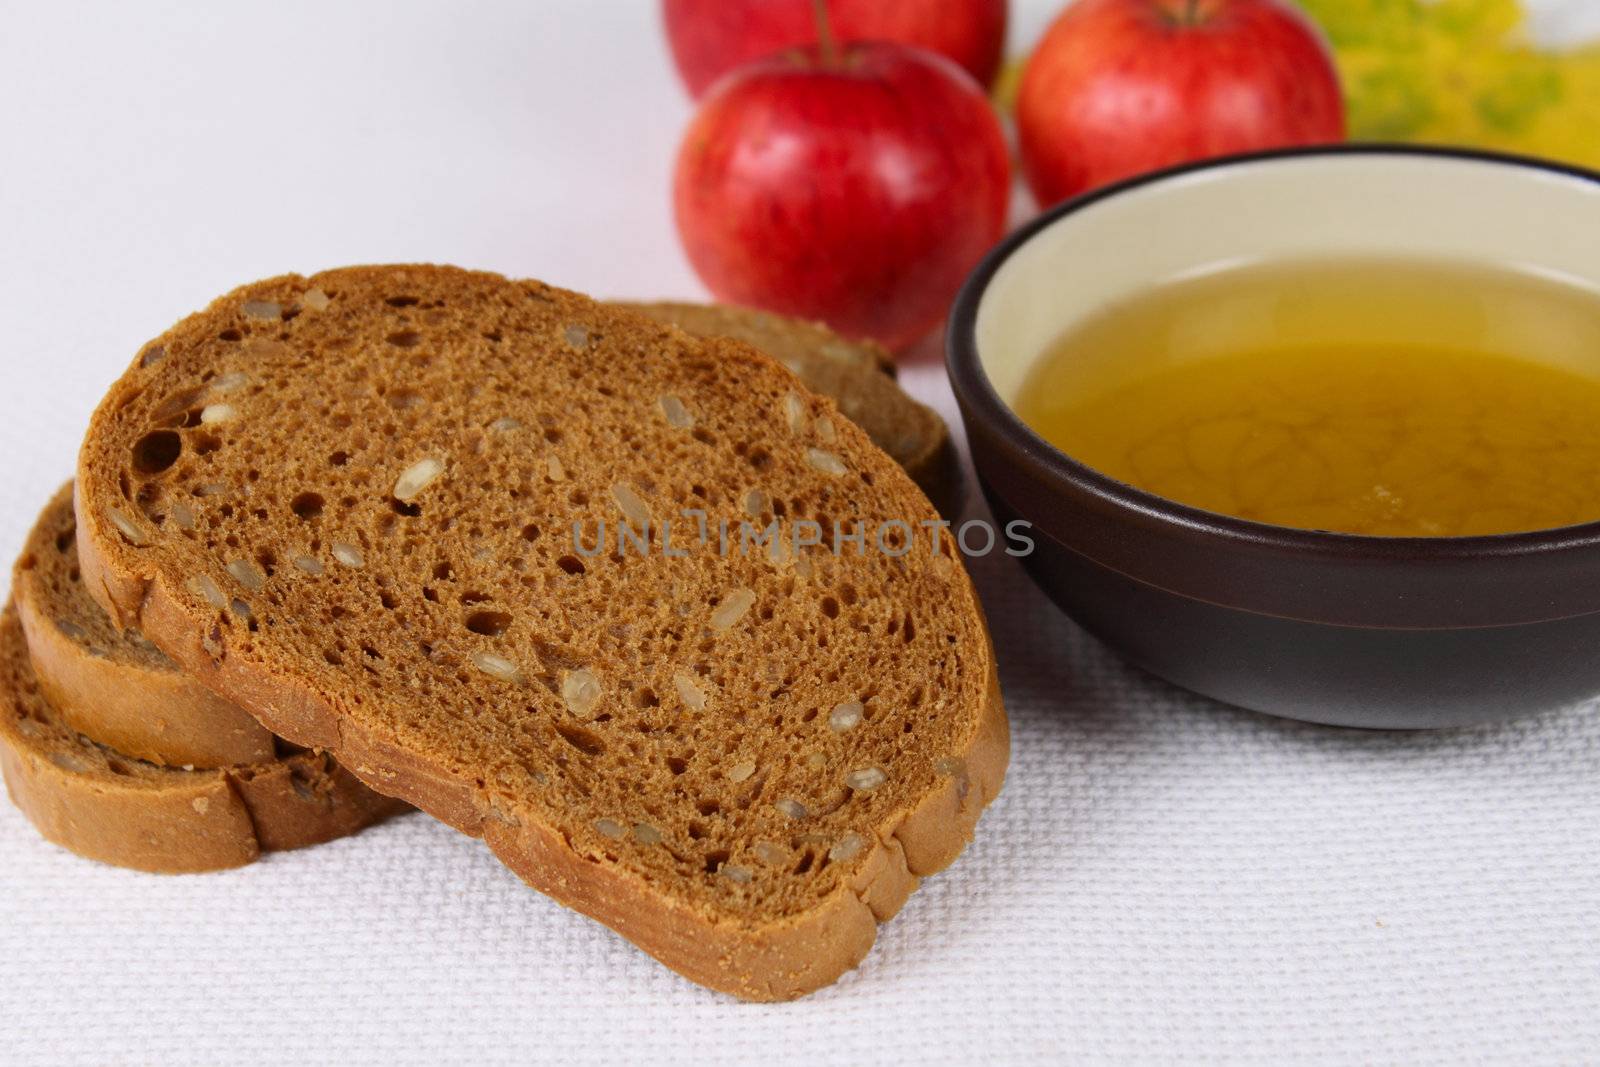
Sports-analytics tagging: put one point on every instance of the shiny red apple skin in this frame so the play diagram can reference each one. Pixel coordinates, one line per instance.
(709, 38)
(1120, 87)
(858, 191)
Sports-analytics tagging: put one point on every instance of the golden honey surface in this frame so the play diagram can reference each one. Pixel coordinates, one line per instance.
(1391, 398)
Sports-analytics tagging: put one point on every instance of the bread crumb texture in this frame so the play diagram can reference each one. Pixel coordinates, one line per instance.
(374, 552)
(858, 376)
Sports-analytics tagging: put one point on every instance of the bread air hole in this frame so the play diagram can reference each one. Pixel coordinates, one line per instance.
(307, 505)
(489, 623)
(586, 741)
(156, 452)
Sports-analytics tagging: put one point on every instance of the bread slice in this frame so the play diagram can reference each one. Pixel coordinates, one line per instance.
(110, 807)
(116, 687)
(741, 761)
(857, 375)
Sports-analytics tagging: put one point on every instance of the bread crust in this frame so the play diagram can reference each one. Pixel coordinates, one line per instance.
(756, 961)
(108, 807)
(138, 705)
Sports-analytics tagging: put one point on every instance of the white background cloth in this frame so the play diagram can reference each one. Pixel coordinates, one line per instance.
(1163, 877)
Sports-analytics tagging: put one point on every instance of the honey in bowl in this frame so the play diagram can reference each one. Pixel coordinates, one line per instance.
(1366, 396)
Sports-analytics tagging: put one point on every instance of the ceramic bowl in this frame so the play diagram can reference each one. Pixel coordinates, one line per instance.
(1334, 628)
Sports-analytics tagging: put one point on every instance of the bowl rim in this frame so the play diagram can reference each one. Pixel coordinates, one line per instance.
(979, 397)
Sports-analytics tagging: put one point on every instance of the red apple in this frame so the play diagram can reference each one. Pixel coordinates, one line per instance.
(1120, 87)
(857, 186)
(711, 37)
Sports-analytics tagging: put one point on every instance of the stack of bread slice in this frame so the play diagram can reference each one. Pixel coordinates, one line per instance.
(116, 754)
(534, 564)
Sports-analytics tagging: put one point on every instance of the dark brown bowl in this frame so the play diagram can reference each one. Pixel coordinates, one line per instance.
(1377, 632)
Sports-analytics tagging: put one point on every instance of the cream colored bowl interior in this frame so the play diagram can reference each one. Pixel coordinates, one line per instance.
(1434, 207)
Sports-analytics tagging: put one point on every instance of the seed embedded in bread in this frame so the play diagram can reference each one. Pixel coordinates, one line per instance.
(792, 808)
(581, 691)
(261, 309)
(247, 574)
(229, 383)
(676, 414)
(632, 505)
(689, 691)
(866, 779)
(497, 666)
(378, 659)
(733, 607)
(826, 462)
(769, 853)
(417, 477)
(202, 586)
(794, 413)
(846, 716)
(130, 530)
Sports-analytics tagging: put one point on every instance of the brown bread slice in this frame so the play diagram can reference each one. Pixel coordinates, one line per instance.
(116, 687)
(383, 466)
(110, 807)
(856, 375)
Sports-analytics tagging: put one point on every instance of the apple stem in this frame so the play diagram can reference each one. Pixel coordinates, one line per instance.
(825, 41)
